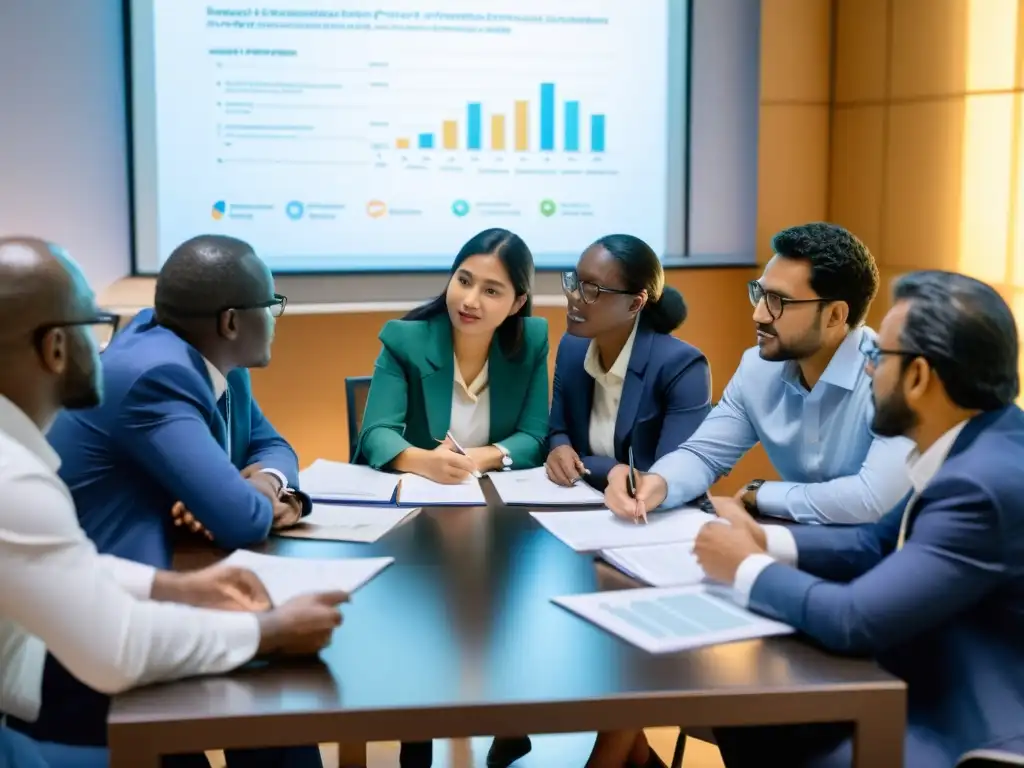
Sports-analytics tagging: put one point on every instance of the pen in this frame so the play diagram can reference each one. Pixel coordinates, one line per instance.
(631, 479)
(461, 450)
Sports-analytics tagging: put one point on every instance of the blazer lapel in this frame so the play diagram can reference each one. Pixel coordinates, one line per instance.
(507, 386)
(632, 390)
(439, 376)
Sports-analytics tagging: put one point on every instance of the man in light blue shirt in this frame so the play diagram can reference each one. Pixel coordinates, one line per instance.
(802, 393)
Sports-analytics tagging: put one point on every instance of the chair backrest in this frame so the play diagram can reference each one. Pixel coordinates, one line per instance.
(356, 390)
(989, 758)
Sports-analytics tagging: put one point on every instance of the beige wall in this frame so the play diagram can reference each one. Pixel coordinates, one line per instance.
(303, 391)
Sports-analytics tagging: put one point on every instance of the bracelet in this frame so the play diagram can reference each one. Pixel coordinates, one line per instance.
(506, 457)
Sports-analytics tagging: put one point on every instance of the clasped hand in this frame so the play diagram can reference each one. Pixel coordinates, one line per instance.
(722, 545)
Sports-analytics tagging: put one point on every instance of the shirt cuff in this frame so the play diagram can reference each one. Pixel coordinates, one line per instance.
(279, 475)
(781, 544)
(135, 578)
(771, 499)
(746, 576)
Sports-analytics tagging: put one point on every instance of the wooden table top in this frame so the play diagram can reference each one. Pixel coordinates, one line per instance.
(459, 637)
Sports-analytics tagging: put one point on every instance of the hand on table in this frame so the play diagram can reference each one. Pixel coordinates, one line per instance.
(264, 482)
(445, 465)
(651, 491)
(287, 511)
(564, 466)
(185, 519)
(723, 544)
(302, 626)
(223, 587)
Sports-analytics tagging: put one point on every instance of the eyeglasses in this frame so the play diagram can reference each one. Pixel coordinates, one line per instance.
(587, 291)
(776, 304)
(101, 327)
(276, 306)
(870, 349)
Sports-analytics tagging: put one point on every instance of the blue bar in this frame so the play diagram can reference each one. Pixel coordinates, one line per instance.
(547, 117)
(473, 126)
(426, 141)
(597, 133)
(572, 126)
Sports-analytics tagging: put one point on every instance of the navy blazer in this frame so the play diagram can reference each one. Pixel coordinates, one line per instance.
(946, 612)
(159, 437)
(665, 397)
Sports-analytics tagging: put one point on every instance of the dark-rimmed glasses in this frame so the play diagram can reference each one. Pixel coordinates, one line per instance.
(874, 353)
(775, 304)
(102, 326)
(587, 291)
(276, 306)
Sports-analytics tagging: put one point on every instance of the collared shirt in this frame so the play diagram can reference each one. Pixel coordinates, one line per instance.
(470, 422)
(607, 395)
(781, 546)
(220, 390)
(833, 469)
(92, 611)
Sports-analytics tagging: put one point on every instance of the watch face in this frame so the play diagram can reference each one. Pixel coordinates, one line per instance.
(754, 485)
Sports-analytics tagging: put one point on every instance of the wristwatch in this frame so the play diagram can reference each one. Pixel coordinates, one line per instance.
(752, 487)
(506, 457)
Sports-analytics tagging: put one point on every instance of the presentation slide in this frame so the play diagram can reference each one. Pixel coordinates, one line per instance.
(359, 136)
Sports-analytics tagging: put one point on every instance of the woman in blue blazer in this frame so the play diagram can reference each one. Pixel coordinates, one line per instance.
(621, 378)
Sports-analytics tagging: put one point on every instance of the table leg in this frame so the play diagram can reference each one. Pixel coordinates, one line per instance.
(879, 734)
(352, 755)
(133, 756)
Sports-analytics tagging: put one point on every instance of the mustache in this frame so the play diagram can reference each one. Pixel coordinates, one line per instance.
(769, 329)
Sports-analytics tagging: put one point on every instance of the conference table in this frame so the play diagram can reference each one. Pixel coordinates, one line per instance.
(459, 638)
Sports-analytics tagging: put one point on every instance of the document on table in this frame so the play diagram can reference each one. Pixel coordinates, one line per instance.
(592, 530)
(660, 565)
(327, 480)
(532, 487)
(288, 577)
(671, 619)
(335, 522)
(422, 492)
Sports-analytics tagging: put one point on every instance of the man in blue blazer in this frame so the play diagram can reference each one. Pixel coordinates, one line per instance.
(935, 589)
(179, 442)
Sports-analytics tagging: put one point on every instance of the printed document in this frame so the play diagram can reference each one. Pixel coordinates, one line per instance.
(592, 530)
(660, 565)
(327, 480)
(531, 487)
(336, 522)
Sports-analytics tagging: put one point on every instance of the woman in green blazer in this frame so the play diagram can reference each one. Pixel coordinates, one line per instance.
(467, 370)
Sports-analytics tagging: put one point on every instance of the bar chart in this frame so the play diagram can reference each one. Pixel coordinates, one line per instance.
(557, 128)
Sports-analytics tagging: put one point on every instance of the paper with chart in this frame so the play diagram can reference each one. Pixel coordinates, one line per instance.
(660, 565)
(336, 522)
(592, 530)
(327, 480)
(671, 619)
(422, 492)
(288, 577)
(532, 487)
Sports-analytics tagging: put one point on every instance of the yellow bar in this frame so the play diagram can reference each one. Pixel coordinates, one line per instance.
(402, 143)
(522, 126)
(451, 134)
(497, 131)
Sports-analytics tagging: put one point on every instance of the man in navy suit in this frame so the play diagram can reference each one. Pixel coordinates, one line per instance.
(935, 589)
(179, 441)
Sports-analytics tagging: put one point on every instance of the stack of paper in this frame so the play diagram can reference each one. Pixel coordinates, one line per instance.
(422, 492)
(337, 481)
(335, 522)
(660, 565)
(675, 619)
(595, 529)
(532, 487)
(288, 577)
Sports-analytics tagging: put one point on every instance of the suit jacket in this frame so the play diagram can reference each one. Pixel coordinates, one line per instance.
(160, 437)
(665, 397)
(410, 399)
(946, 612)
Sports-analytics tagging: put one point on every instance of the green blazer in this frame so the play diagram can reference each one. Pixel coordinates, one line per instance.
(410, 399)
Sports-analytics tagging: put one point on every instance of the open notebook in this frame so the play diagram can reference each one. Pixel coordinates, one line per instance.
(339, 482)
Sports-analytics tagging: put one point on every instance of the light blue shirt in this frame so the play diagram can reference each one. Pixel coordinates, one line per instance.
(833, 469)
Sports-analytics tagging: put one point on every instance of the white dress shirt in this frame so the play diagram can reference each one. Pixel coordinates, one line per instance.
(470, 422)
(91, 611)
(781, 546)
(220, 389)
(607, 394)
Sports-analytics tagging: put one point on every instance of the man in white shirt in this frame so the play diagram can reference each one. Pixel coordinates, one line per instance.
(115, 624)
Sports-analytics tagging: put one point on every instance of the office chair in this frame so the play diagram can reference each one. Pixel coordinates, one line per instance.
(356, 390)
(989, 758)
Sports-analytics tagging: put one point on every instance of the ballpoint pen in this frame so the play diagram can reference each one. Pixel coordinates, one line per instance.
(631, 479)
(459, 449)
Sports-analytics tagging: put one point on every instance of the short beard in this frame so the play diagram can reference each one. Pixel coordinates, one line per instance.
(893, 417)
